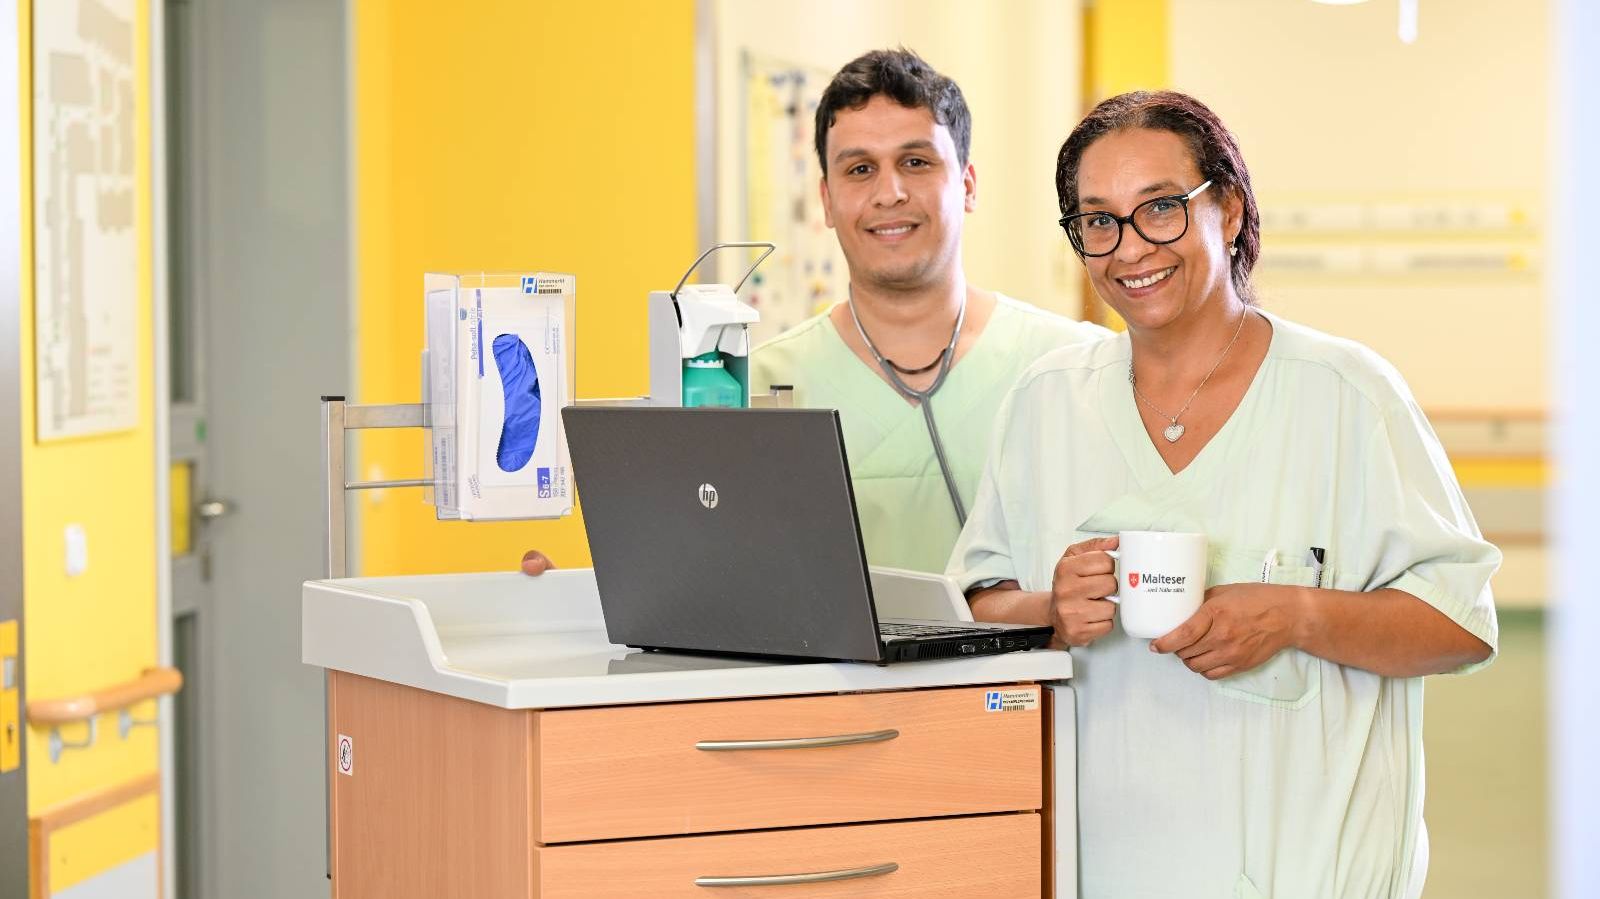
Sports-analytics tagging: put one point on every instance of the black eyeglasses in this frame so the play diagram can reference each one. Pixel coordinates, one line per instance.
(1158, 221)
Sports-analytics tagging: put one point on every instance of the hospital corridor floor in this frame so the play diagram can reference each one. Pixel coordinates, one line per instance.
(1485, 739)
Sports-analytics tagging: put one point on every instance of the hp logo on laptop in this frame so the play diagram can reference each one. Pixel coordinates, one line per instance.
(708, 496)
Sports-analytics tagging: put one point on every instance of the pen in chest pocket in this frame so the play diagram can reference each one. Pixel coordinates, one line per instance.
(1314, 558)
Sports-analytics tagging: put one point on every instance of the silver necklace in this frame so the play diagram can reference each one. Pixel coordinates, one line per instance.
(1173, 430)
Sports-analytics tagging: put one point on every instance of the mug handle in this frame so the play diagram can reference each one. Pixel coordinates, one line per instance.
(1116, 572)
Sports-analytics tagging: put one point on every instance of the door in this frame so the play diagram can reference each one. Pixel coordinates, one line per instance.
(258, 278)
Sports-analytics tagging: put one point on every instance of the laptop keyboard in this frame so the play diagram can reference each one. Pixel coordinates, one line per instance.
(922, 630)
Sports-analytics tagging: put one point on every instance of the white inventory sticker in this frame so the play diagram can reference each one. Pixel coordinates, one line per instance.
(1011, 700)
(347, 755)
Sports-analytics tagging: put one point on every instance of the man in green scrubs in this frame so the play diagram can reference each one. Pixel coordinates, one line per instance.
(892, 140)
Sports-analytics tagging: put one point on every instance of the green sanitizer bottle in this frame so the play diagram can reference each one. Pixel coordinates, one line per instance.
(706, 382)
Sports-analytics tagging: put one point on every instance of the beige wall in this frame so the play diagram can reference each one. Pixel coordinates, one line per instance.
(1332, 109)
(1019, 67)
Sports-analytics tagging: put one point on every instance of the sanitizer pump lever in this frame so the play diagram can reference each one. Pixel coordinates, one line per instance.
(700, 339)
(723, 246)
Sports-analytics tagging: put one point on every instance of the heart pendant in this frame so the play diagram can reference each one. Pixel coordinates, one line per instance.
(1173, 432)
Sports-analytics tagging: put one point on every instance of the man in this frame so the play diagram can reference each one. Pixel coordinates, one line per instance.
(892, 137)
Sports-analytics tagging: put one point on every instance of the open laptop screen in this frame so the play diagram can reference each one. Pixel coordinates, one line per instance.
(720, 530)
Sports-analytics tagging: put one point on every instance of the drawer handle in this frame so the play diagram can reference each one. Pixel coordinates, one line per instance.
(877, 736)
(773, 880)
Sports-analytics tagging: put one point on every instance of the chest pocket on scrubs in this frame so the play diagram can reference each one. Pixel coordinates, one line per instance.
(1290, 679)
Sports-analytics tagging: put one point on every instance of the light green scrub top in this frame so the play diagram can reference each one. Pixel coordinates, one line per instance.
(1301, 778)
(907, 520)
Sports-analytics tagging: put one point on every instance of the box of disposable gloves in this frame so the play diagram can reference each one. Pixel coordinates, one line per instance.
(498, 368)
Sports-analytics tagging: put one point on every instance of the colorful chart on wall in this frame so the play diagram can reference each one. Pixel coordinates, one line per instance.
(781, 203)
(86, 268)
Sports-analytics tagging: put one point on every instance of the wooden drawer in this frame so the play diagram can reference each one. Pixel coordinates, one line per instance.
(644, 770)
(996, 857)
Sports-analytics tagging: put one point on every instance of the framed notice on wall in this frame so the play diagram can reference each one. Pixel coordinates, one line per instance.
(86, 243)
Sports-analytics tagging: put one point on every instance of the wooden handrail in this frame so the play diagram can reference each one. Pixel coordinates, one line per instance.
(82, 808)
(152, 683)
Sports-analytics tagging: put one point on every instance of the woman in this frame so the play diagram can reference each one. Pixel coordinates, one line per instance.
(1271, 745)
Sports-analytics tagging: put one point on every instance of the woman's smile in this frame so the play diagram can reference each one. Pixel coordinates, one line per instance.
(1145, 283)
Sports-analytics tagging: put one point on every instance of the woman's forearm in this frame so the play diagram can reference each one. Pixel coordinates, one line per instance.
(1387, 632)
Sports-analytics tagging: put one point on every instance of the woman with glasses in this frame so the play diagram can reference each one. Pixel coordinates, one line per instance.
(1270, 746)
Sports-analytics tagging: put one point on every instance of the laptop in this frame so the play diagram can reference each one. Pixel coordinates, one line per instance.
(734, 531)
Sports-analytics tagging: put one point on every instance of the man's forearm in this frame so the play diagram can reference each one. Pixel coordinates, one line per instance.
(1007, 603)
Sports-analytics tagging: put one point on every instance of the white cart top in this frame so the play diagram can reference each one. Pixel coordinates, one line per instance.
(508, 640)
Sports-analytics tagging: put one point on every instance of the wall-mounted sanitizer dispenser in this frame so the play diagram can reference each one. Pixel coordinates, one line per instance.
(700, 340)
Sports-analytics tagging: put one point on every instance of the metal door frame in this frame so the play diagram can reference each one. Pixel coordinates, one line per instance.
(13, 784)
(161, 388)
(177, 428)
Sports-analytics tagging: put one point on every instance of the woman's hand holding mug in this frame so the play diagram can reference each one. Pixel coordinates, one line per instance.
(1239, 627)
(1084, 576)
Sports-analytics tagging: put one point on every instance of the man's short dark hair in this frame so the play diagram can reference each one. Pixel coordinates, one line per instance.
(903, 77)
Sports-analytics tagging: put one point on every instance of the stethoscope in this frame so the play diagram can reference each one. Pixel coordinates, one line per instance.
(922, 397)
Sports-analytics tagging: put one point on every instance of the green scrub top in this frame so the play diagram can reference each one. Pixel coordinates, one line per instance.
(1301, 778)
(907, 520)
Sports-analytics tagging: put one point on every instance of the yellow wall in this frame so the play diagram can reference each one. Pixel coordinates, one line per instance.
(511, 135)
(1125, 47)
(88, 632)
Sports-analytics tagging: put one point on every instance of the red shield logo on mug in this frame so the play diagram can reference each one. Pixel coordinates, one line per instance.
(1133, 579)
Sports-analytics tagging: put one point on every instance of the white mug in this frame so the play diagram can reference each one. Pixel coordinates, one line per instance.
(1161, 580)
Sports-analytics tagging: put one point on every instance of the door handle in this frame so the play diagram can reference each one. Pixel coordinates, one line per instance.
(211, 509)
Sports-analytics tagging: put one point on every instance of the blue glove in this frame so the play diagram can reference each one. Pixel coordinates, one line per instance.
(521, 382)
